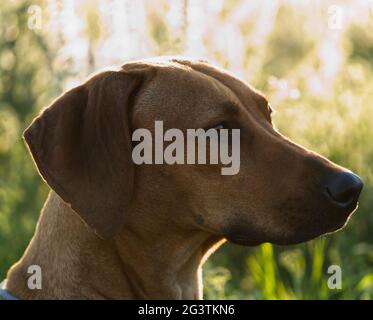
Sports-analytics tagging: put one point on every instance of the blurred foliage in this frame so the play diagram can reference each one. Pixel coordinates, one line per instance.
(27, 80)
(326, 109)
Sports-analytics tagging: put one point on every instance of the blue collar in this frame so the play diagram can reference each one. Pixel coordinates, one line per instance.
(4, 294)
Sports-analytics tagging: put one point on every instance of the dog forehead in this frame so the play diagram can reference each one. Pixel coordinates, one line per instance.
(182, 85)
(177, 71)
(180, 99)
(252, 99)
(193, 89)
(224, 81)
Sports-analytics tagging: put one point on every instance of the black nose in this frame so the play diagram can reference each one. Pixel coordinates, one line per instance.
(344, 187)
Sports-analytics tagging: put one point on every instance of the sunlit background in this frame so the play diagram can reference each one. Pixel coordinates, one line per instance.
(313, 59)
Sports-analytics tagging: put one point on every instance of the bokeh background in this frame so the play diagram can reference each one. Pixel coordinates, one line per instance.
(313, 59)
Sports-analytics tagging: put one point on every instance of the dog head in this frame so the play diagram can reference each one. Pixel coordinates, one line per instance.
(283, 193)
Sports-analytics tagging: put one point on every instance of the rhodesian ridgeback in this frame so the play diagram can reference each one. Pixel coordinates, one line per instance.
(111, 229)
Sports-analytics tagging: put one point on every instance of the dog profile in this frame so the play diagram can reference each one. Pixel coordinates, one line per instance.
(111, 229)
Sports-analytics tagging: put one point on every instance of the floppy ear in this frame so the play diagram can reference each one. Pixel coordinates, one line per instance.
(81, 145)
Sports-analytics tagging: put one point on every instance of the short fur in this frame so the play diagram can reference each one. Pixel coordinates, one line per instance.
(113, 230)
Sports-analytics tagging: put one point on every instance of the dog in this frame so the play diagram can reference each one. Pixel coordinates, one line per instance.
(111, 229)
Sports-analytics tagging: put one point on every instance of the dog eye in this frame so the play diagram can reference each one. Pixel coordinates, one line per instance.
(219, 126)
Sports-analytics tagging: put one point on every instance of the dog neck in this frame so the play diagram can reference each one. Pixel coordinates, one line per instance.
(147, 260)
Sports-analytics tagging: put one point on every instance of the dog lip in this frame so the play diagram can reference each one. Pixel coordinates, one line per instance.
(243, 240)
(345, 221)
(340, 221)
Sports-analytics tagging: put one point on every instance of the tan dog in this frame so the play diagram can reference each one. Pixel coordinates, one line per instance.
(110, 229)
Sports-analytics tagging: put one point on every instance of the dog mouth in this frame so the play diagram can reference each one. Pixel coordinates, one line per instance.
(332, 218)
(350, 210)
(245, 241)
(328, 222)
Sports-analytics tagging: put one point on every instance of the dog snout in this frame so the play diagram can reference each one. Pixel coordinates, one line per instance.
(343, 188)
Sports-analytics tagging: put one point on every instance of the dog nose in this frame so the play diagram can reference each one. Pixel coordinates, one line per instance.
(344, 187)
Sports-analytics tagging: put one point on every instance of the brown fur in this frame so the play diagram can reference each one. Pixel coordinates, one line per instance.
(110, 229)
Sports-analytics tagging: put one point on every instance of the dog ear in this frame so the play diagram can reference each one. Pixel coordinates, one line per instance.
(81, 145)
